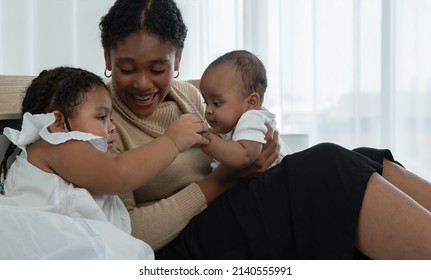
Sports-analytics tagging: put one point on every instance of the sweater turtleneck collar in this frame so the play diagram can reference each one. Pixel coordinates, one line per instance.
(167, 111)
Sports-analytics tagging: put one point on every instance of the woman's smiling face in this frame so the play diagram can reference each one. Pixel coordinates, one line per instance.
(142, 68)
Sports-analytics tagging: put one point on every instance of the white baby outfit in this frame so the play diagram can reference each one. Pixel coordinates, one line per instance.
(251, 126)
(83, 215)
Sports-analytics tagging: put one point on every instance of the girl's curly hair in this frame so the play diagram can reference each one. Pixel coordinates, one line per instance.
(61, 88)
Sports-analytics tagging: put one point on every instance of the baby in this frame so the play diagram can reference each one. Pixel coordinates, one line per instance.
(233, 88)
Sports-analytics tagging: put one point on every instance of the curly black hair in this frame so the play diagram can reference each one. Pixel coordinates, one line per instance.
(61, 88)
(161, 18)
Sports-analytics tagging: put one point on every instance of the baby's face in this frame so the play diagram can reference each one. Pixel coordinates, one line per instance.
(94, 115)
(224, 97)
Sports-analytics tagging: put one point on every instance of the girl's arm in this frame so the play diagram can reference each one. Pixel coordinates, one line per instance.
(83, 165)
(236, 154)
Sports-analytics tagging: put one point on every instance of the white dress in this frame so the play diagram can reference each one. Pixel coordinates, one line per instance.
(251, 126)
(44, 202)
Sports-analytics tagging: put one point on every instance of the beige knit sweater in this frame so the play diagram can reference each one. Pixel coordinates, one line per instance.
(162, 208)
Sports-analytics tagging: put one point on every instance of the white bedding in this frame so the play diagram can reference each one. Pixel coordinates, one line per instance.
(32, 234)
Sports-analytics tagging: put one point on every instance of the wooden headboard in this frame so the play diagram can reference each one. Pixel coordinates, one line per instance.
(12, 90)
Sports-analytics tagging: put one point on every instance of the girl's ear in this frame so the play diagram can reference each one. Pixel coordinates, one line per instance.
(253, 101)
(59, 124)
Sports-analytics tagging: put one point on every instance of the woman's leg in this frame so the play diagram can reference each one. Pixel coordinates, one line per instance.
(307, 207)
(410, 183)
(393, 171)
(392, 225)
(316, 204)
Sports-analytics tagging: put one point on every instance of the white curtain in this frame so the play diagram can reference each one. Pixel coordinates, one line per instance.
(353, 72)
(40, 34)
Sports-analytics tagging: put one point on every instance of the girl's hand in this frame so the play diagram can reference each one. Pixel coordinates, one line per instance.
(187, 131)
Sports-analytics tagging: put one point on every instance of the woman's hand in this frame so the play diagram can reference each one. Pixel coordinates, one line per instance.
(223, 177)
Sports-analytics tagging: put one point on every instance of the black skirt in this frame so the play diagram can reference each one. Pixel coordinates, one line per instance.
(307, 207)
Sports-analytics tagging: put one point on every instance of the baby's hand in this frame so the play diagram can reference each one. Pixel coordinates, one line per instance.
(187, 131)
(209, 133)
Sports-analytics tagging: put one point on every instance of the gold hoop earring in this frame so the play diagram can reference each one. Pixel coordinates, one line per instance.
(177, 75)
(106, 75)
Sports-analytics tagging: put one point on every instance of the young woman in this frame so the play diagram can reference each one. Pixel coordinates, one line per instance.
(326, 202)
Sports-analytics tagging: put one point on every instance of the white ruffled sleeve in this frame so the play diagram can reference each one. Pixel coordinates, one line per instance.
(35, 127)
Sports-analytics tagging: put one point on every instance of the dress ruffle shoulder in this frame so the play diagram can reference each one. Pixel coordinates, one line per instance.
(35, 127)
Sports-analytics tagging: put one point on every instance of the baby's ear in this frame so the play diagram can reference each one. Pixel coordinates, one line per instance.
(254, 101)
(59, 124)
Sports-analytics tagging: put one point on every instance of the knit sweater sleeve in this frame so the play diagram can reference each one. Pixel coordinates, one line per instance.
(160, 222)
